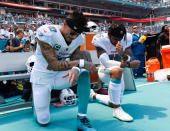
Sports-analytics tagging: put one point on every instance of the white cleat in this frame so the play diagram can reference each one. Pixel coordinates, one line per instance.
(121, 115)
(92, 93)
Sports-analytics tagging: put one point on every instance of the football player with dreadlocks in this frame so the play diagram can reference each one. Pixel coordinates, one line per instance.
(113, 59)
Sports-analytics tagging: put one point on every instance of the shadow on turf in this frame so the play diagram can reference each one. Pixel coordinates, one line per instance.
(139, 111)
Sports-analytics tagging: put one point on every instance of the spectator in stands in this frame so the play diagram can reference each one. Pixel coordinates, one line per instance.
(32, 33)
(26, 35)
(1, 36)
(11, 31)
(163, 39)
(27, 47)
(138, 52)
(9, 43)
(16, 45)
(4, 32)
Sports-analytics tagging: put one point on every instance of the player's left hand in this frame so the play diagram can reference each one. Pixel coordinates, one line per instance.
(73, 75)
(119, 48)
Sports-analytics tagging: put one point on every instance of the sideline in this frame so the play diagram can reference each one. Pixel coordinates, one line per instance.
(147, 84)
(15, 110)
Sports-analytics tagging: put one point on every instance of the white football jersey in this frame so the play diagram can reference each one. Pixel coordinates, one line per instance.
(102, 40)
(51, 35)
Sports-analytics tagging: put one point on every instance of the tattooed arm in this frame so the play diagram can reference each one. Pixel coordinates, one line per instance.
(87, 59)
(49, 54)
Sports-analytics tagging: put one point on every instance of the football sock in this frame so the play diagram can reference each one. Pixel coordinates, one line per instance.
(83, 92)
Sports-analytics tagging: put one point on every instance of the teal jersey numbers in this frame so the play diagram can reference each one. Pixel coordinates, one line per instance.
(52, 28)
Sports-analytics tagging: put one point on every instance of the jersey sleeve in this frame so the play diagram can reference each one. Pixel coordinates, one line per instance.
(44, 34)
(98, 41)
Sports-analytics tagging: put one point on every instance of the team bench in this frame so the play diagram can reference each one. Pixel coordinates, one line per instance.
(12, 67)
(11, 63)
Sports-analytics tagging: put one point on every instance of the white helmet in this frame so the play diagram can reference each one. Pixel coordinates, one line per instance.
(67, 97)
(93, 27)
(30, 63)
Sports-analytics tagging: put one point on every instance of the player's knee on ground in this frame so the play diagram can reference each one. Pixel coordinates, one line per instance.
(43, 116)
(116, 73)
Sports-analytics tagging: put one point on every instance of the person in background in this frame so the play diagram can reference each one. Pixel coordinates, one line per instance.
(4, 32)
(163, 39)
(9, 43)
(11, 31)
(15, 44)
(138, 52)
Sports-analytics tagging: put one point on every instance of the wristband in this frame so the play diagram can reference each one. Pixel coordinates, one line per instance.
(129, 58)
(81, 63)
(124, 57)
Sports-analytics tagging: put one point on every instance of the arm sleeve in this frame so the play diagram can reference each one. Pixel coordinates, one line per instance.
(106, 62)
(98, 41)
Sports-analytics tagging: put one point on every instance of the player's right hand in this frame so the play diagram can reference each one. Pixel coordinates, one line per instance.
(90, 67)
(119, 48)
(73, 75)
(135, 64)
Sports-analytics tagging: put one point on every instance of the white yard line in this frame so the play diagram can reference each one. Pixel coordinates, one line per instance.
(147, 84)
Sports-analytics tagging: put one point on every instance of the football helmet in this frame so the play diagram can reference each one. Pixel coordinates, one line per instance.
(93, 27)
(67, 97)
(30, 63)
